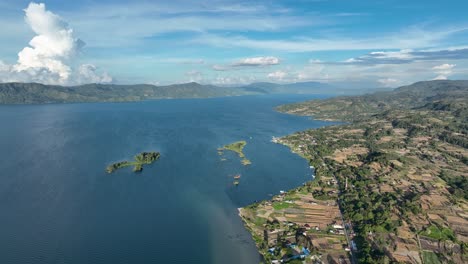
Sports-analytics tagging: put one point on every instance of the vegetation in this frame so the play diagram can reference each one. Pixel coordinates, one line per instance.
(439, 233)
(238, 148)
(140, 160)
(356, 108)
(35, 93)
(399, 169)
(430, 257)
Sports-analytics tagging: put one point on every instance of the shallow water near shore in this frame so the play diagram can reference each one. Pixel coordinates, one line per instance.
(60, 206)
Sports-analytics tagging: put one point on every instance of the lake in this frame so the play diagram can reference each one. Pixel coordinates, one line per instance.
(60, 206)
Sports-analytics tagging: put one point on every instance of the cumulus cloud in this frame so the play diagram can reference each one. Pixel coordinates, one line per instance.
(50, 53)
(87, 73)
(444, 67)
(257, 61)
(443, 71)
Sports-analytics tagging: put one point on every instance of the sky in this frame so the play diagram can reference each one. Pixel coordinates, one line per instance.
(365, 43)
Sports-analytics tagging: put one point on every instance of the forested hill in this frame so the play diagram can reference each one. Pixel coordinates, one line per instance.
(349, 108)
(35, 93)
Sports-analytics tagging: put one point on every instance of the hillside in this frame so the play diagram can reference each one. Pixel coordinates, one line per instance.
(35, 93)
(397, 173)
(358, 107)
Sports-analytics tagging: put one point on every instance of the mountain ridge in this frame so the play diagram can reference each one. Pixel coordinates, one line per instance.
(352, 108)
(37, 93)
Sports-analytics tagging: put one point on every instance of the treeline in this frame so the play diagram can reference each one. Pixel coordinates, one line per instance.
(458, 185)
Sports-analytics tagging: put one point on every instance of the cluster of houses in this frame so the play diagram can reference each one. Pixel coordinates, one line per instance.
(301, 253)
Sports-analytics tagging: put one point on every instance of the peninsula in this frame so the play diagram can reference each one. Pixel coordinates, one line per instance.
(236, 147)
(391, 185)
(140, 160)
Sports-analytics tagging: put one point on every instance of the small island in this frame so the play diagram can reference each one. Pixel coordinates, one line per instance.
(238, 148)
(140, 160)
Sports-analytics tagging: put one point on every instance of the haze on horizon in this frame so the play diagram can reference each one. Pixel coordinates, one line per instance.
(225, 42)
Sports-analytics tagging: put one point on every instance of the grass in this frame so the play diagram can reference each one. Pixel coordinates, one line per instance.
(439, 233)
(430, 257)
(259, 221)
(282, 205)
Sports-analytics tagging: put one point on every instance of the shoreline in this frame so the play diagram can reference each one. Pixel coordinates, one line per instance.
(274, 219)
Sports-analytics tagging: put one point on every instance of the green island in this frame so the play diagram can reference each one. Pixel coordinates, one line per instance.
(238, 148)
(140, 160)
(391, 184)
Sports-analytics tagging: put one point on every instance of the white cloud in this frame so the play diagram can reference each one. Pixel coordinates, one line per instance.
(217, 67)
(248, 62)
(233, 80)
(50, 52)
(388, 82)
(194, 76)
(444, 67)
(313, 72)
(440, 77)
(137, 21)
(257, 61)
(87, 73)
(311, 61)
(410, 38)
(53, 44)
(402, 54)
(278, 75)
(408, 56)
(443, 71)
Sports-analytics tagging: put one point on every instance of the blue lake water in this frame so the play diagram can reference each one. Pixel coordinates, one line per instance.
(59, 206)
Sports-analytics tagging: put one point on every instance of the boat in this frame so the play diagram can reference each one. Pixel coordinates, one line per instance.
(236, 183)
(237, 176)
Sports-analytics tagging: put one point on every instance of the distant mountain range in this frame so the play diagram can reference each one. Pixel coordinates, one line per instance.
(296, 88)
(36, 93)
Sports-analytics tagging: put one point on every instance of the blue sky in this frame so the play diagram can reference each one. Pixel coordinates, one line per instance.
(369, 43)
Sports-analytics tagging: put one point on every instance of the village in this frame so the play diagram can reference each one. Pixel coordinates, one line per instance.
(295, 226)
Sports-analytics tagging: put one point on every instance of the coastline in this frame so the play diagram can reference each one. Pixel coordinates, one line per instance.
(275, 223)
(383, 175)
